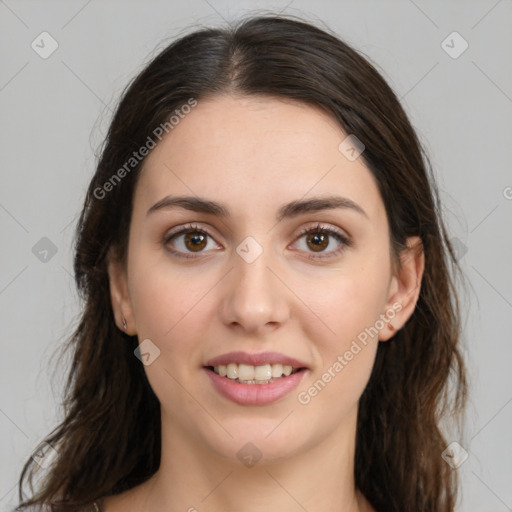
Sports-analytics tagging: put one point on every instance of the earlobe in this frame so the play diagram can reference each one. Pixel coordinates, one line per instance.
(119, 297)
(405, 288)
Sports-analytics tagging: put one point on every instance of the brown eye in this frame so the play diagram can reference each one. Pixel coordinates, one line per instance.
(188, 241)
(319, 238)
(317, 241)
(195, 241)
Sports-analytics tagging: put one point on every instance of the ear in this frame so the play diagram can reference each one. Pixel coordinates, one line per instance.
(119, 296)
(404, 288)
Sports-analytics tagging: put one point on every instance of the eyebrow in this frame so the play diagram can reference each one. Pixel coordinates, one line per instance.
(288, 210)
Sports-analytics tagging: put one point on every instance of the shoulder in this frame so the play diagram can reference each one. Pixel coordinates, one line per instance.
(94, 507)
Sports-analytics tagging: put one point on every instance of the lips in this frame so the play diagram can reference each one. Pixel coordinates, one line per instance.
(254, 385)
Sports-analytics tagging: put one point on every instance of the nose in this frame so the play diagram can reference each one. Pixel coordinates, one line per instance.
(255, 300)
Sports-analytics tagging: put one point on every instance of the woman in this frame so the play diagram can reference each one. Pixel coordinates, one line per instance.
(270, 319)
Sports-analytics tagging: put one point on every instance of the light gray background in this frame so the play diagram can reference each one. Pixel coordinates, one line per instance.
(54, 113)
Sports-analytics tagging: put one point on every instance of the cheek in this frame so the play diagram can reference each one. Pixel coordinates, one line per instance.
(342, 306)
(171, 309)
(345, 330)
(345, 358)
(167, 302)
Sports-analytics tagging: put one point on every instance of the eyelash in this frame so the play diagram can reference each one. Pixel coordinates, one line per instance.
(318, 229)
(322, 230)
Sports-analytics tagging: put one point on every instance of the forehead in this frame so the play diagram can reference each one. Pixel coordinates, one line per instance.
(255, 151)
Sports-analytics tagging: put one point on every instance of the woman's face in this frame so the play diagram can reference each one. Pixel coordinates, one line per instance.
(245, 290)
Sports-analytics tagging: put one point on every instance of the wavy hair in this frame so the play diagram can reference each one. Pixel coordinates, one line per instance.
(109, 439)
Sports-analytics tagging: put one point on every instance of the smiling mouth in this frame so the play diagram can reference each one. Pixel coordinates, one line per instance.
(249, 374)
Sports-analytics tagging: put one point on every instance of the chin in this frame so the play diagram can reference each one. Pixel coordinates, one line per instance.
(263, 443)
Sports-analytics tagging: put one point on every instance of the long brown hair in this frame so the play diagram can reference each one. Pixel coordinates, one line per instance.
(109, 440)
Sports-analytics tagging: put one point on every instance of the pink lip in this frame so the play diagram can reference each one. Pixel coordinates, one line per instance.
(254, 394)
(255, 359)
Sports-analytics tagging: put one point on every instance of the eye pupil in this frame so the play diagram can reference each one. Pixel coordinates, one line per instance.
(197, 241)
(318, 237)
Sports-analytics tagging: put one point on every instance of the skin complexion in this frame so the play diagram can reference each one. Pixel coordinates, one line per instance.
(279, 256)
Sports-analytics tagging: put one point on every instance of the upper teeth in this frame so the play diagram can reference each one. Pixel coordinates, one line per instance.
(247, 372)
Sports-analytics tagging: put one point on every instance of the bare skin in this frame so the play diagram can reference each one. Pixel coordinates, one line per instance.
(253, 155)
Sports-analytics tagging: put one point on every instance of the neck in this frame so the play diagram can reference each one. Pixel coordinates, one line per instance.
(192, 478)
